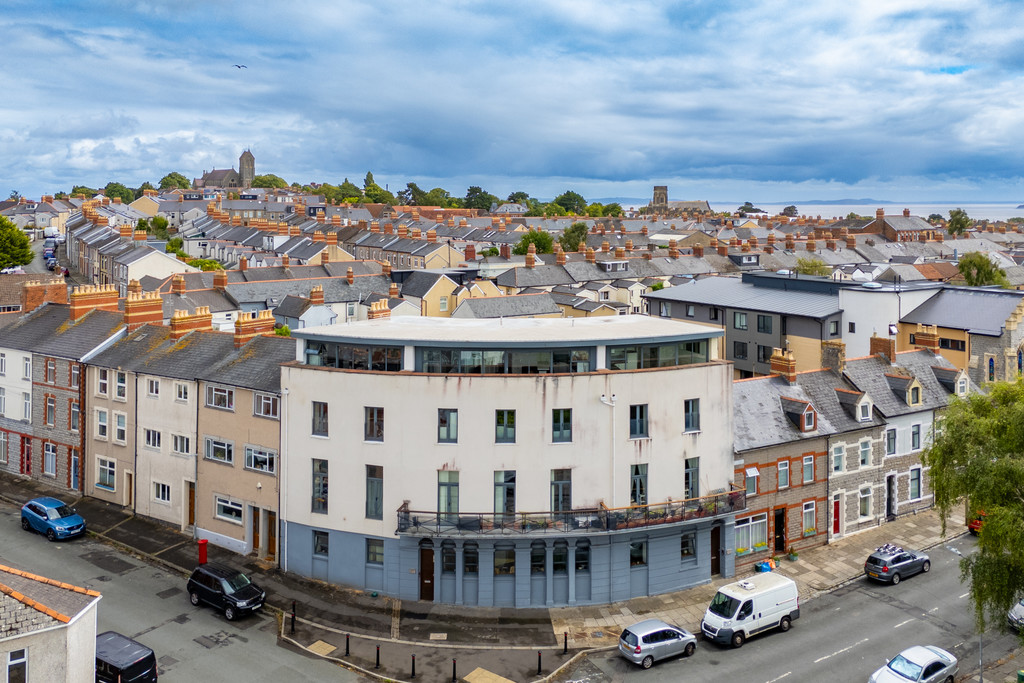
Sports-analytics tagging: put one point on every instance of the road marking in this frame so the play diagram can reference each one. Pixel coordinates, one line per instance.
(933, 609)
(839, 652)
(964, 596)
(902, 623)
(780, 677)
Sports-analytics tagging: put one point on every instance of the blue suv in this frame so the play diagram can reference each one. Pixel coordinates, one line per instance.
(51, 517)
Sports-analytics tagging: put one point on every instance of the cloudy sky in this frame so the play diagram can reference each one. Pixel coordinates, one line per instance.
(902, 100)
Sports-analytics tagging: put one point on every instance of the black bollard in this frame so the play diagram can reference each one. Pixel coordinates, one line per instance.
(413, 667)
(377, 665)
(538, 662)
(293, 616)
(455, 679)
(565, 642)
(346, 645)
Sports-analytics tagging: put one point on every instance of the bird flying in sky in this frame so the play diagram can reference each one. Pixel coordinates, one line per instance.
(241, 66)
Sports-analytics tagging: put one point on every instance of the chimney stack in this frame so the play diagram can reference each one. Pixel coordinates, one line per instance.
(393, 290)
(178, 284)
(559, 255)
(379, 309)
(927, 337)
(470, 254)
(350, 275)
(142, 308)
(220, 280)
(591, 257)
(620, 253)
(882, 346)
(906, 213)
(531, 255)
(182, 323)
(90, 297)
(34, 294)
(833, 355)
(784, 364)
(316, 296)
(385, 269)
(252, 324)
(243, 264)
(285, 261)
(698, 251)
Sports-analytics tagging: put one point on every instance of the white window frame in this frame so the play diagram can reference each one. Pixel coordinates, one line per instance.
(442, 304)
(810, 509)
(266, 405)
(3, 447)
(106, 465)
(218, 394)
(751, 531)
(252, 452)
(153, 388)
(17, 658)
(49, 459)
(152, 438)
(161, 488)
(3, 364)
(838, 458)
(102, 382)
(220, 502)
(227, 446)
(783, 466)
(74, 416)
(179, 440)
(102, 424)
(865, 448)
(865, 494)
(181, 392)
(808, 460)
(120, 386)
(76, 375)
(3, 401)
(121, 433)
(50, 411)
(26, 366)
(865, 412)
(26, 406)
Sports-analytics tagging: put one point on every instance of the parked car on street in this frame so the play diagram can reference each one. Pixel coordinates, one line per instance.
(119, 659)
(225, 588)
(1015, 617)
(53, 518)
(920, 664)
(751, 606)
(976, 522)
(652, 640)
(891, 563)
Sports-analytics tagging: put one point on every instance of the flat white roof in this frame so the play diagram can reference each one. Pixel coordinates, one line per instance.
(612, 329)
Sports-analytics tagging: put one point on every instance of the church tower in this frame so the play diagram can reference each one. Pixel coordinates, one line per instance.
(660, 196)
(246, 169)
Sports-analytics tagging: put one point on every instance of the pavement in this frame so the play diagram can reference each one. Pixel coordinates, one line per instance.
(385, 638)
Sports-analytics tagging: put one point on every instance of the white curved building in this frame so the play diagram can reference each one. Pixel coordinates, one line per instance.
(508, 463)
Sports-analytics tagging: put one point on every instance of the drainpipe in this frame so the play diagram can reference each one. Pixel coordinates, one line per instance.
(282, 536)
(611, 404)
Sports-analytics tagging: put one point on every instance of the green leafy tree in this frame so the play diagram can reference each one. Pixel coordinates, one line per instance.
(573, 235)
(1015, 219)
(206, 264)
(489, 251)
(174, 244)
(977, 455)
(789, 211)
(82, 189)
(978, 270)
(113, 189)
(572, 202)
(519, 197)
(269, 180)
(142, 224)
(550, 209)
(934, 217)
(541, 240)
(349, 190)
(748, 208)
(283, 331)
(959, 222)
(806, 265)
(613, 209)
(174, 181)
(658, 286)
(477, 198)
(158, 226)
(595, 210)
(376, 194)
(853, 216)
(141, 189)
(412, 195)
(368, 180)
(15, 248)
(14, 195)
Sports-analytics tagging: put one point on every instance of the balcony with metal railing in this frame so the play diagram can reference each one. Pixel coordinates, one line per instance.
(577, 521)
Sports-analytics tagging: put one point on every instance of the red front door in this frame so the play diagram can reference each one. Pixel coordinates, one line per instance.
(835, 516)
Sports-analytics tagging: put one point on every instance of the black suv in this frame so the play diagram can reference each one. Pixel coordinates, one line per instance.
(225, 588)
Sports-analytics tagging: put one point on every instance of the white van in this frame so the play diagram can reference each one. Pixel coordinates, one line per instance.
(744, 608)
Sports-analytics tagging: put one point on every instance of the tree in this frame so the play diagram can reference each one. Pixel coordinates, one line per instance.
(82, 189)
(595, 210)
(141, 189)
(748, 208)
(269, 180)
(113, 189)
(613, 209)
(543, 241)
(853, 216)
(368, 180)
(283, 331)
(349, 190)
(959, 222)
(158, 226)
(412, 195)
(934, 217)
(15, 248)
(477, 198)
(789, 211)
(979, 270)
(519, 197)
(977, 455)
(175, 181)
(812, 266)
(573, 235)
(489, 251)
(378, 195)
(205, 264)
(14, 196)
(572, 202)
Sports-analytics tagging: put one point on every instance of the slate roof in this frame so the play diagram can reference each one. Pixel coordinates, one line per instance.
(292, 307)
(520, 305)
(979, 311)
(30, 603)
(49, 331)
(151, 350)
(874, 375)
(419, 282)
(256, 365)
(759, 419)
(730, 292)
(10, 286)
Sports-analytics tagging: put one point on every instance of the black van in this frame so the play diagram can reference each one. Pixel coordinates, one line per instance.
(119, 659)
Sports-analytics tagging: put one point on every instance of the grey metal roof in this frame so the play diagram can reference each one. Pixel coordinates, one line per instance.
(729, 292)
(979, 311)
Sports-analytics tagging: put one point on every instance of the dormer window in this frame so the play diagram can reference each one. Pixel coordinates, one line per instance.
(961, 387)
(865, 411)
(809, 421)
(915, 395)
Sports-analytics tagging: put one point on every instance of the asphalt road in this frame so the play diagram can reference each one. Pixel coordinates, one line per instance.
(150, 605)
(842, 636)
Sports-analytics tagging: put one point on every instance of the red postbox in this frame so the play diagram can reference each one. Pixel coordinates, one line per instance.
(202, 551)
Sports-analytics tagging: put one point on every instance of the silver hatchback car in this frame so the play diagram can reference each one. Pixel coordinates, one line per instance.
(652, 640)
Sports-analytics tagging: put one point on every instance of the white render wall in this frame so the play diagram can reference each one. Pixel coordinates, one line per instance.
(600, 454)
(872, 310)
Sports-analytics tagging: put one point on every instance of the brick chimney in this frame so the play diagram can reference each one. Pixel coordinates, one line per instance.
(350, 275)
(629, 245)
(374, 226)
(182, 323)
(906, 213)
(316, 296)
(938, 236)
(379, 309)
(882, 346)
(851, 242)
(243, 264)
(125, 231)
(771, 239)
(431, 237)
(325, 257)
(927, 337)
(34, 294)
(620, 252)
(790, 243)
(89, 297)
(393, 291)
(559, 255)
(141, 308)
(723, 249)
(505, 251)
(531, 255)
(140, 236)
(605, 246)
(403, 231)
(833, 355)
(220, 280)
(385, 269)
(879, 218)
(285, 261)
(784, 364)
(830, 244)
(812, 245)
(591, 257)
(252, 324)
(470, 254)
(178, 284)
(698, 251)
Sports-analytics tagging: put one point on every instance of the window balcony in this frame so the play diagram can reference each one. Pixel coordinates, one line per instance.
(580, 520)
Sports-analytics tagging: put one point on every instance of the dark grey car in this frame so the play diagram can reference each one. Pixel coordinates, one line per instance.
(891, 563)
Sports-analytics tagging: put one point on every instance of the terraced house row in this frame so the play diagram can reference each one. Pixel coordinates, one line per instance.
(544, 461)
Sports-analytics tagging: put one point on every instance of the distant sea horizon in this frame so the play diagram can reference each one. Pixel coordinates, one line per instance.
(991, 211)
